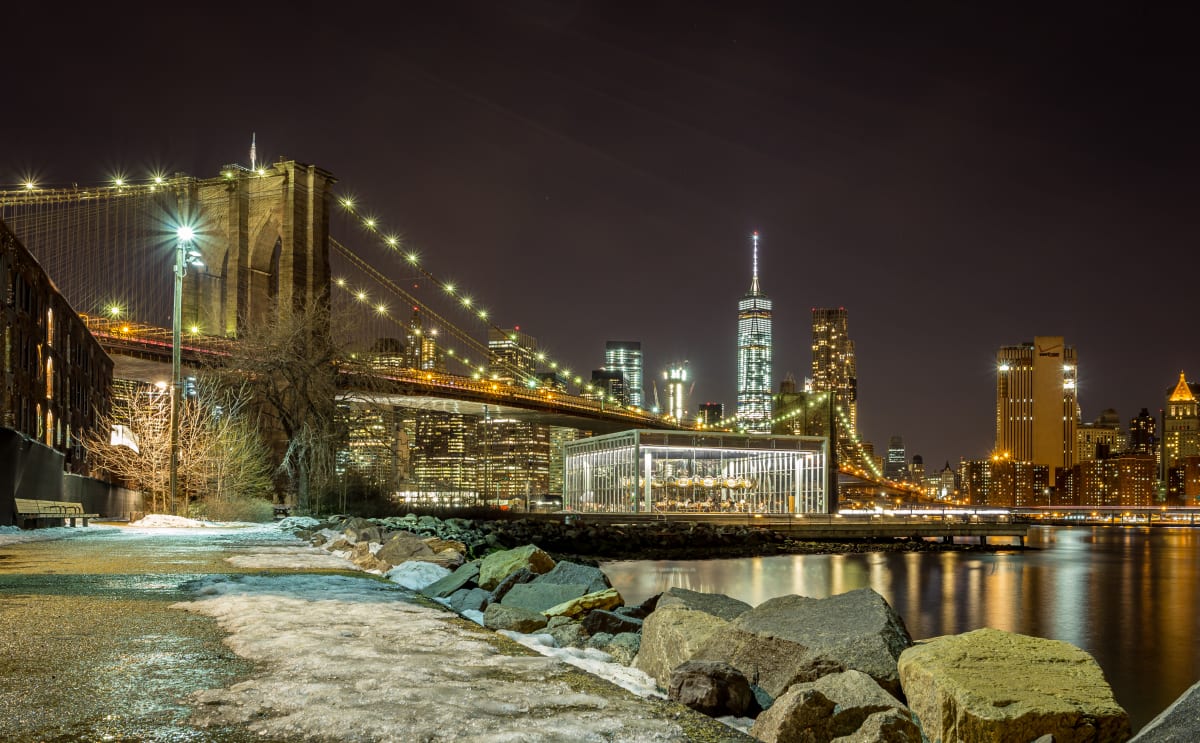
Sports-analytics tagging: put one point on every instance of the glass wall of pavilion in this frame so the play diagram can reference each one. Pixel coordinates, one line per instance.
(672, 471)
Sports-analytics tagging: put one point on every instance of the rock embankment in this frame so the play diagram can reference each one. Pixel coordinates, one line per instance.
(659, 540)
(842, 668)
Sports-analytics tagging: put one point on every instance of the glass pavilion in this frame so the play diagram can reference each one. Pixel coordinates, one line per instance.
(662, 471)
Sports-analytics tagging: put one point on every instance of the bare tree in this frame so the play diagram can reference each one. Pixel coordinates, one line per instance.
(220, 452)
(292, 365)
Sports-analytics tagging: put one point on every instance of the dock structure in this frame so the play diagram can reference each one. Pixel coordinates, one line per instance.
(825, 526)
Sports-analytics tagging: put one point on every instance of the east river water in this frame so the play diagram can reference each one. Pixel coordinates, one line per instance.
(1129, 596)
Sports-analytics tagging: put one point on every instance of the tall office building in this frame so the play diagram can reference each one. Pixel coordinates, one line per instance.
(833, 365)
(1181, 424)
(625, 357)
(896, 466)
(754, 351)
(1143, 433)
(512, 355)
(676, 377)
(422, 350)
(1036, 408)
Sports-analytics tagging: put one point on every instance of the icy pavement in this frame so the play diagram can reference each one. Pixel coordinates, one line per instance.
(360, 659)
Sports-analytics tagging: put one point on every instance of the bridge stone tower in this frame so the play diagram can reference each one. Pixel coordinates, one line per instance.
(264, 238)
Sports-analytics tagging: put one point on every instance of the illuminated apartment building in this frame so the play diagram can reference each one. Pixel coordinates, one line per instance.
(1036, 408)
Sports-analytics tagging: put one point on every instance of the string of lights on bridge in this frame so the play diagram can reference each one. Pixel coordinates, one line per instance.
(392, 242)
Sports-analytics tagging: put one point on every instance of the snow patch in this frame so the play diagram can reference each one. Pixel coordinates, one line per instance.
(294, 523)
(17, 535)
(342, 653)
(595, 662)
(415, 575)
(162, 520)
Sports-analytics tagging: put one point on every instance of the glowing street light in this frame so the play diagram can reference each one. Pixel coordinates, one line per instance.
(185, 255)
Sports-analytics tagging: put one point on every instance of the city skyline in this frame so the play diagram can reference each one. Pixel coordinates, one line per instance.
(957, 180)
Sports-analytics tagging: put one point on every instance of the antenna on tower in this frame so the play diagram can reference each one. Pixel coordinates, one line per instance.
(253, 152)
(754, 277)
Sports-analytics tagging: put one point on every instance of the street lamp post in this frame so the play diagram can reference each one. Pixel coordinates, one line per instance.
(183, 256)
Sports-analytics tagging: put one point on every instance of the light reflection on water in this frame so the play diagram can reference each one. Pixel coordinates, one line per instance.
(1126, 595)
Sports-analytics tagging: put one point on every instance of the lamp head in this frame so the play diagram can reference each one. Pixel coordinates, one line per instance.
(185, 233)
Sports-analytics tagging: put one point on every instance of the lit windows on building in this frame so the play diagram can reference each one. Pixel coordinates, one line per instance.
(754, 353)
(676, 378)
(1037, 412)
(625, 358)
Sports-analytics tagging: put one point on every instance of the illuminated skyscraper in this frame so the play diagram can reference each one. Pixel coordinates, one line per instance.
(676, 377)
(1181, 424)
(833, 365)
(512, 355)
(1036, 409)
(896, 466)
(754, 356)
(625, 357)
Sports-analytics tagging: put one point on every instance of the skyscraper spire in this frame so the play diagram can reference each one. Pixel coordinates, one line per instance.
(754, 276)
(253, 152)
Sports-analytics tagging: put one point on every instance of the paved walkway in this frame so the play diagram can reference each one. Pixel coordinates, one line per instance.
(91, 649)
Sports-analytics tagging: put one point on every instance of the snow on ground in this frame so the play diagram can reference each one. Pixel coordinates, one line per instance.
(290, 558)
(593, 661)
(17, 535)
(162, 520)
(355, 659)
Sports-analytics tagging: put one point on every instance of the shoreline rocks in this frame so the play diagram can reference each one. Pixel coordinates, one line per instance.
(840, 669)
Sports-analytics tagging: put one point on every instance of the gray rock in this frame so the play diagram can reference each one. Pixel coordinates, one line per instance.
(498, 616)
(712, 688)
(571, 573)
(462, 578)
(623, 647)
(833, 706)
(681, 624)
(402, 546)
(558, 621)
(538, 597)
(793, 639)
(611, 622)
(468, 599)
(642, 610)
(598, 641)
(517, 577)
(716, 604)
(1178, 723)
(360, 530)
(567, 634)
(995, 685)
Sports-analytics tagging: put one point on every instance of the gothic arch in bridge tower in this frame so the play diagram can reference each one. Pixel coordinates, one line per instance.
(269, 236)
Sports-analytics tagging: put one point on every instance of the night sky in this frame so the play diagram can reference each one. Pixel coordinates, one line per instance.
(957, 180)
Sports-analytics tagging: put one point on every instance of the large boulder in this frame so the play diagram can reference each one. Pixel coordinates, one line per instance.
(361, 556)
(834, 706)
(570, 573)
(610, 622)
(464, 576)
(644, 609)
(1178, 723)
(402, 546)
(469, 599)
(712, 688)
(498, 616)
(498, 565)
(1000, 686)
(360, 530)
(793, 639)
(515, 578)
(682, 622)
(539, 597)
(606, 599)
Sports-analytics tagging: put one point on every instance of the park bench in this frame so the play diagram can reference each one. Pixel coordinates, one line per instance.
(33, 510)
